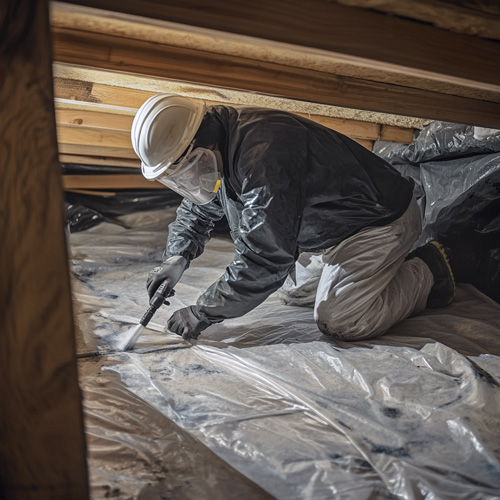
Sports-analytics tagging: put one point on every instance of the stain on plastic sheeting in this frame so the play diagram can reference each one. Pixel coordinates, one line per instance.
(482, 374)
(200, 369)
(343, 424)
(397, 452)
(449, 403)
(392, 412)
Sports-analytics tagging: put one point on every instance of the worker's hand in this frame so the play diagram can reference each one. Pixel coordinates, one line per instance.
(188, 322)
(170, 270)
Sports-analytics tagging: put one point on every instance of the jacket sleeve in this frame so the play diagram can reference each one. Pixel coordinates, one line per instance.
(189, 233)
(265, 249)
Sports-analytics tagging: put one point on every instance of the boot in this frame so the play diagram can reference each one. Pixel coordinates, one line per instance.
(443, 290)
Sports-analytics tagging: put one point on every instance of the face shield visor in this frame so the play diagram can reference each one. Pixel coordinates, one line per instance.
(195, 176)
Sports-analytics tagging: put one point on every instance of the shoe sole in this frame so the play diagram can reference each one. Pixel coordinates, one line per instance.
(442, 251)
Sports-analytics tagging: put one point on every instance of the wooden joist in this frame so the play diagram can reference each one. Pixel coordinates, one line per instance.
(92, 119)
(99, 160)
(472, 17)
(94, 142)
(96, 129)
(114, 181)
(368, 37)
(115, 53)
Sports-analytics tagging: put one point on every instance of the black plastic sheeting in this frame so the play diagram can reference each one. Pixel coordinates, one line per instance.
(84, 211)
(456, 169)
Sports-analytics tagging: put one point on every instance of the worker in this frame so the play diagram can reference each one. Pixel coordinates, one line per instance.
(313, 215)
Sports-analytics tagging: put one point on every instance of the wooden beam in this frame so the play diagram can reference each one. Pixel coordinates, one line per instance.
(105, 136)
(77, 18)
(396, 134)
(99, 160)
(471, 18)
(178, 63)
(94, 142)
(97, 93)
(95, 120)
(365, 36)
(364, 142)
(42, 451)
(115, 181)
(82, 119)
(101, 116)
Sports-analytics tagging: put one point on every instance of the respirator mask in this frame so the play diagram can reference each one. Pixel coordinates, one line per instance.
(195, 176)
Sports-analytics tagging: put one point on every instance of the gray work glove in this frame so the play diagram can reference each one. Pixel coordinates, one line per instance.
(170, 270)
(188, 322)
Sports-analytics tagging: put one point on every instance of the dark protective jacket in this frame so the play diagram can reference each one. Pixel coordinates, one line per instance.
(289, 185)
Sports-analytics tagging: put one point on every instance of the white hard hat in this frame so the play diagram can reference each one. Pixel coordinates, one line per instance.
(163, 128)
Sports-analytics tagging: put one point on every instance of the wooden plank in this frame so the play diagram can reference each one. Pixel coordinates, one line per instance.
(67, 104)
(160, 32)
(352, 128)
(94, 142)
(94, 150)
(357, 33)
(364, 142)
(396, 134)
(83, 118)
(471, 18)
(110, 95)
(42, 448)
(108, 121)
(91, 192)
(114, 53)
(89, 92)
(99, 160)
(115, 181)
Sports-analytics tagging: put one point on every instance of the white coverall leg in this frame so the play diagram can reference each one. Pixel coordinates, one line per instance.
(363, 285)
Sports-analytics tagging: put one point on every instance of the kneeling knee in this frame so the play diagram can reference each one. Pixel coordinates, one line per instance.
(348, 332)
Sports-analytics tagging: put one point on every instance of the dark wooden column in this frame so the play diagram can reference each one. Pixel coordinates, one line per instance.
(42, 447)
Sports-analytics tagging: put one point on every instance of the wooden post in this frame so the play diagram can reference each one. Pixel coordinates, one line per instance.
(42, 446)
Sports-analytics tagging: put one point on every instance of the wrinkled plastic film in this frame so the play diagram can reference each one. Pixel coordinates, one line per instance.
(335, 422)
(294, 413)
(441, 140)
(265, 402)
(456, 169)
(137, 452)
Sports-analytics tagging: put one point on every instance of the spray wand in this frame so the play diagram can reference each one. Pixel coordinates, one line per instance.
(157, 300)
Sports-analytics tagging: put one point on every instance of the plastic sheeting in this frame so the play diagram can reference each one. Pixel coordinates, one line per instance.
(456, 169)
(265, 405)
(125, 434)
(85, 210)
(414, 414)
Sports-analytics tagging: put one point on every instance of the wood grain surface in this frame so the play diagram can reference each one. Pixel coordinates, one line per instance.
(42, 450)
(325, 25)
(98, 50)
(94, 121)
